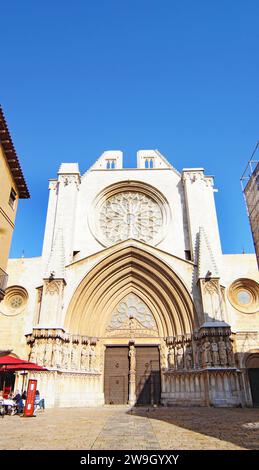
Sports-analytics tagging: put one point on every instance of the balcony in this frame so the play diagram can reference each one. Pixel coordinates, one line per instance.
(3, 283)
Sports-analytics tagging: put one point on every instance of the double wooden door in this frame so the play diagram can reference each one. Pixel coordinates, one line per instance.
(147, 375)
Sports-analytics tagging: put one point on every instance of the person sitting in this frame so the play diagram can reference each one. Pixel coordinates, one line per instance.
(42, 404)
(24, 396)
(39, 402)
(18, 400)
(2, 408)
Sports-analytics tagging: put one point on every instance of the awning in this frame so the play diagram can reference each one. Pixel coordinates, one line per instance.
(13, 363)
(10, 360)
(24, 366)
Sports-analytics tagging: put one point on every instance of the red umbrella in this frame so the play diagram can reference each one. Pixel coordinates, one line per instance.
(10, 360)
(13, 363)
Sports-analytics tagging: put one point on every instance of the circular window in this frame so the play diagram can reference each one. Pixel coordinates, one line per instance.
(244, 295)
(130, 215)
(129, 210)
(15, 300)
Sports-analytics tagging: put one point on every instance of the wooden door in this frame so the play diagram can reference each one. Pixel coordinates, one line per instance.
(116, 375)
(253, 375)
(148, 386)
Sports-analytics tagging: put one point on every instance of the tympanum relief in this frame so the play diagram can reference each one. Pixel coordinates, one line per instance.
(132, 318)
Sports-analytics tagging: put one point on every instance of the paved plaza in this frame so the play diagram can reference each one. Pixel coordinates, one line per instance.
(136, 429)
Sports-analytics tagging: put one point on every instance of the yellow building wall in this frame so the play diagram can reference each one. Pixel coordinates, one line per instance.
(7, 213)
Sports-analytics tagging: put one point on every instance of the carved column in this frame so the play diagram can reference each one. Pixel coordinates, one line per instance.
(132, 375)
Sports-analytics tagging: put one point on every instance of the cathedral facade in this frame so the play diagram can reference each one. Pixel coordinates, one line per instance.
(132, 301)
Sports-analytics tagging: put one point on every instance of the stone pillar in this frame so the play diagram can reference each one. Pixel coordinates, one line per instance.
(132, 375)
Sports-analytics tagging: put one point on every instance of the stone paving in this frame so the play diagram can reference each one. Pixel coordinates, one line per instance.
(133, 429)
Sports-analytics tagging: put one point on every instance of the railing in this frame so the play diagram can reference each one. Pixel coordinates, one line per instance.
(3, 282)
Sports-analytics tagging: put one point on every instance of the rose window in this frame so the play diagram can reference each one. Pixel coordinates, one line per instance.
(130, 215)
(16, 301)
(16, 298)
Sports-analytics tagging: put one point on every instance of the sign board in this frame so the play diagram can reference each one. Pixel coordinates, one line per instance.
(31, 392)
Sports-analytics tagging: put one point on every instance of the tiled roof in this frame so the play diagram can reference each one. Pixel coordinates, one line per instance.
(12, 158)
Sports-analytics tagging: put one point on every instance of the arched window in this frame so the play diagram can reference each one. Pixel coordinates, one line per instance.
(149, 163)
(110, 164)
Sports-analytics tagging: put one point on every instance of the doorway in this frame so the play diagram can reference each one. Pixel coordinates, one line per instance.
(147, 375)
(116, 375)
(252, 365)
(148, 384)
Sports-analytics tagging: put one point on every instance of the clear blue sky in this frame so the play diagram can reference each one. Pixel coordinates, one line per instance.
(81, 77)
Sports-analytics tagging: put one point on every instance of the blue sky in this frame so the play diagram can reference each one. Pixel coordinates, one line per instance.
(81, 77)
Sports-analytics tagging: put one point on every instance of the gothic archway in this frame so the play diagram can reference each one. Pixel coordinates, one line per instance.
(130, 269)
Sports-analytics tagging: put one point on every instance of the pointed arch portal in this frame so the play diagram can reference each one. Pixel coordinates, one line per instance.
(131, 301)
(131, 270)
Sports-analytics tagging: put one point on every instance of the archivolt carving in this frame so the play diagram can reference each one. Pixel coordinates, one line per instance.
(130, 269)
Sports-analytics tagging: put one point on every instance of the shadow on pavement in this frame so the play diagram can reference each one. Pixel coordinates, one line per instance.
(234, 425)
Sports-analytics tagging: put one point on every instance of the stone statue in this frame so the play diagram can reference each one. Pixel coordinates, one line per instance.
(33, 357)
(40, 351)
(188, 357)
(57, 353)
(171, 358)
(163, 356)
(74, 357)
(206, 353)
(132, 356)
(92, 354)
(222, 352)
(36, 348)
(197, 355)
(230, 354)
(48, 353)
(84, 358)
(65, 356)
(215, 353)
(179, 357)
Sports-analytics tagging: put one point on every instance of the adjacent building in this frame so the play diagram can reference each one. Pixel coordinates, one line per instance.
(132, 300)
(250, 186)
(12, 188)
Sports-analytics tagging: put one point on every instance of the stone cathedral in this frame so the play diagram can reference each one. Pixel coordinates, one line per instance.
(132, 301)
